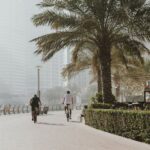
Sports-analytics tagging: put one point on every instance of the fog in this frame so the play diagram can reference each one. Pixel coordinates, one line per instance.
(18, 72)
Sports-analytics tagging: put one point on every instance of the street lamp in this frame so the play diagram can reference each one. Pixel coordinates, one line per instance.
(38, 80)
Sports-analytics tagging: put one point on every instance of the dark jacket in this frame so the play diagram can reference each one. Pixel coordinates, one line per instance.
(35, 101)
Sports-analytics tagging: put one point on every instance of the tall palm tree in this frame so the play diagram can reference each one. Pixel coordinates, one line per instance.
(119, 24)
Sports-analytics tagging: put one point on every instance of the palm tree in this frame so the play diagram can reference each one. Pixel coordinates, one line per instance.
(119, 24)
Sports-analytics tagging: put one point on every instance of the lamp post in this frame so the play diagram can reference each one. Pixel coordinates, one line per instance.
(38, 80)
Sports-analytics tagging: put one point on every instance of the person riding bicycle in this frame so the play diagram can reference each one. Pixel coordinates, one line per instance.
(68, 102)
(35, 104)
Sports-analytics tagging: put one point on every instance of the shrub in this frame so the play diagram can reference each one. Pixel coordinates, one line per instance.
(130, 124)
(147, 106)
(97, 102)
(92, 101)
(101, 106)
(96, 99)
(99, 97)
(119, 105)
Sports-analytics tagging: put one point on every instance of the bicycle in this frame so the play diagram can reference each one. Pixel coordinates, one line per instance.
(34, 114)
(68, 112)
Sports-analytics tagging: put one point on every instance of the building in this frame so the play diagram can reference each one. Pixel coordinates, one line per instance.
(18, 77)
(12, 56)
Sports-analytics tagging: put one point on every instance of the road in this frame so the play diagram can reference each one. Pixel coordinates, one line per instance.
(52, 132)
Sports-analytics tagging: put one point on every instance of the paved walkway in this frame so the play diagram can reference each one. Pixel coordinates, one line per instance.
(52, 132)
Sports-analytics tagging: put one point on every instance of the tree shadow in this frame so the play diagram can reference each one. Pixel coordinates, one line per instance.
(46, 114)
(50, 124)
(73, 121)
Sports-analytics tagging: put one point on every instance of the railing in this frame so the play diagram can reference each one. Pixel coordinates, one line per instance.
(16, 109)
(60, 107)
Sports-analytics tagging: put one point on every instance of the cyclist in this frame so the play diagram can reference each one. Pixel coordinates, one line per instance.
(68, 103)
(35, 104)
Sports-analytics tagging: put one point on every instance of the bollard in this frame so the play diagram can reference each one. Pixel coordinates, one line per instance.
(18, 109)
(4, 110)
(13, 109)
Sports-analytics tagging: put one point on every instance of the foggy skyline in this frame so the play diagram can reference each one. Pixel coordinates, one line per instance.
(17, 59)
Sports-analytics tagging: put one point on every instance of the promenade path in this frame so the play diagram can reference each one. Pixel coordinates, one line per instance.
(52, 132)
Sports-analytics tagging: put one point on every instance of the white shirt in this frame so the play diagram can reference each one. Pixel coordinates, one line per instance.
(68, 99)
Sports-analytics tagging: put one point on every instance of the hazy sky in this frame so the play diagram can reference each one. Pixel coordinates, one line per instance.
(17, 61)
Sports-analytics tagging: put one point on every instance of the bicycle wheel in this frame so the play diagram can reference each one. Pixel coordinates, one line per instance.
(34, 117)
(67, 115)
(35, 114)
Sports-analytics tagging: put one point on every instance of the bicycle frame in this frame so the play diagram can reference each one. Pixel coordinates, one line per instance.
(68, 111)
(34, 114)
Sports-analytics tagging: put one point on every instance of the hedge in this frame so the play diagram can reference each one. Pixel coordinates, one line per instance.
(101, 106)
(130, 124)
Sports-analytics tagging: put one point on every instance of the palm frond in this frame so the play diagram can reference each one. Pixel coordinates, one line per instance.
(73, 69)
(51, 43)
(55, 20)
(72, 6)
(132, 47)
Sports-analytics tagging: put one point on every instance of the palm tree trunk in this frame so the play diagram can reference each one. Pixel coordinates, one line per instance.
(99, 85)
(105, 59)
(99, 81)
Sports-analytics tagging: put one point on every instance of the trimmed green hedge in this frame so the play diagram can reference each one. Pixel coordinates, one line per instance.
(101, 106)
(130, 124)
